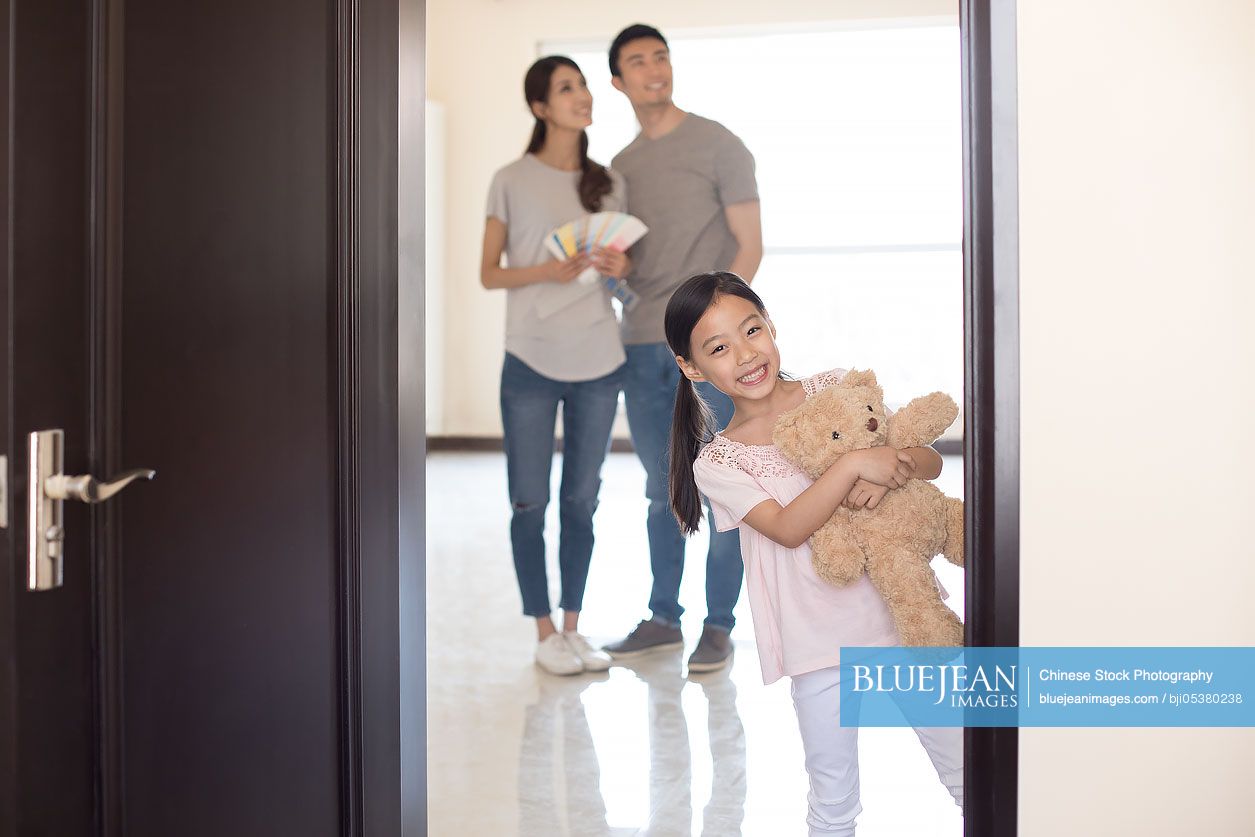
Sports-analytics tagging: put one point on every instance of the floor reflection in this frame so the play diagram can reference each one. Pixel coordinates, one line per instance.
(560, 775)
(558, 759)
(726, 810)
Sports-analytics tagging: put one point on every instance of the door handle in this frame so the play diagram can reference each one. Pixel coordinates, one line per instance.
(48, 489)
(88, 489)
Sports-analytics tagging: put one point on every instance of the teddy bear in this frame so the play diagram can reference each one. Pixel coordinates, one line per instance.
(895, 541)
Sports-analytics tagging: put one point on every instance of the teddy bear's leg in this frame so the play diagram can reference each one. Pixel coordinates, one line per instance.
(836, 555)
(953, 549)
(905, 581)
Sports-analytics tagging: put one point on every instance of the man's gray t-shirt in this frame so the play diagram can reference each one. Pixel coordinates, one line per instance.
(679, 185)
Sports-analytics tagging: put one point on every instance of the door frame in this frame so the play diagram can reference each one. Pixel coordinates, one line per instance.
(381, 430)
(991, 437)
(8, 580)
(991, 379)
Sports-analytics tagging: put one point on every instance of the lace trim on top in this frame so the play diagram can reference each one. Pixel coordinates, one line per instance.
(821, 381)
(755, 460)
(763, 460)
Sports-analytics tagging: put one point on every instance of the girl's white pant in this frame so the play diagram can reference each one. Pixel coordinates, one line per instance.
(832, 753)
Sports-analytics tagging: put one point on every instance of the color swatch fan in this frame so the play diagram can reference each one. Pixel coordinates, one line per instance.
(608, 230)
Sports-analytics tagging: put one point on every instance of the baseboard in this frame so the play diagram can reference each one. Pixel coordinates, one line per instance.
(490, 444)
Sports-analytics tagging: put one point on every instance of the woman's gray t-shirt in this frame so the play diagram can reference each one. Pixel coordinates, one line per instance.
(578, 338)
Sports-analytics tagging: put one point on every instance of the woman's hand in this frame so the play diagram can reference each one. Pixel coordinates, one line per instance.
(884, 465)
(565, 271)
(864, 494)
(611, 262)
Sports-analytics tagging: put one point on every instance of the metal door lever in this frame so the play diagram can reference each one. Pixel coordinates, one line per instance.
(47, 489)
(88, 489)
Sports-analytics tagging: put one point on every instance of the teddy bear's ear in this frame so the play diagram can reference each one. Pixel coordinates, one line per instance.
(784, 434)
(859, 378)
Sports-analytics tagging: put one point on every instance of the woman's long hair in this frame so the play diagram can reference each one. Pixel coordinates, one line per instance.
(595, 181)
(692, 424)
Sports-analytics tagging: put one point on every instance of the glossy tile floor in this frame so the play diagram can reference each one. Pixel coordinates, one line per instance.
(640, 750)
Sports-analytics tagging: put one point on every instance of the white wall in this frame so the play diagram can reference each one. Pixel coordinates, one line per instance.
(1137, 212)
(436, 318)
(477, 52)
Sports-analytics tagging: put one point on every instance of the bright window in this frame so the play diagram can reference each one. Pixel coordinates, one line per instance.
(857, 137)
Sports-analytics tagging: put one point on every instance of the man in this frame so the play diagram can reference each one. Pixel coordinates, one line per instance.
(691, 181)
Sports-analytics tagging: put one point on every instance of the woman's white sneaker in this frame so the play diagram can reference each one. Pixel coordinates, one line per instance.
(555, 656)
(592, 659)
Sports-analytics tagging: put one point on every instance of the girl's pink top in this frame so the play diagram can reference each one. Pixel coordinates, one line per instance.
(800, 621)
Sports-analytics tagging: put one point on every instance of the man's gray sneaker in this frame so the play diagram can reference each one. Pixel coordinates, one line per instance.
(649, 636)
(713, 651)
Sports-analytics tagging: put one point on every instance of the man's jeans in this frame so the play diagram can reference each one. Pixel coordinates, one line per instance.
(529, 407)
(649, 389)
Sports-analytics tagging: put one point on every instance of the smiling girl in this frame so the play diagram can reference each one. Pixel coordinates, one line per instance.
(720, 333)
(562, 348)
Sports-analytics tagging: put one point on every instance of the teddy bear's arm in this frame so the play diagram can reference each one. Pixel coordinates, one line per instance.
(922, 421)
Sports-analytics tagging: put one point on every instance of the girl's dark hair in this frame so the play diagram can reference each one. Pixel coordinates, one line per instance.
(595, 181)
(692, 424)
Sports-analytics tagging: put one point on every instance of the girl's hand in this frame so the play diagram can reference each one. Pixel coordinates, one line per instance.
(864, 494)
(611, 262)
(564, 271)
(885, 466)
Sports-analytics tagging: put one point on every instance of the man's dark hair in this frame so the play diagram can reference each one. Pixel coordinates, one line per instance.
(634, 32)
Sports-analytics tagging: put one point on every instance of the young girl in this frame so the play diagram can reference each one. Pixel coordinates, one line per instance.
(719, 332)
(562, 347)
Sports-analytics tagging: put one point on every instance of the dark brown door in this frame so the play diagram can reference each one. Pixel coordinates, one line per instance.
(49, 731)
(191, 284)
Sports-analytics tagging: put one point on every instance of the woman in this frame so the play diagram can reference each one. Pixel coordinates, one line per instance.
(562, 347)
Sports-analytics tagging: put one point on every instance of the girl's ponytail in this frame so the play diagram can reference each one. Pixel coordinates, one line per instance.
(690, 429)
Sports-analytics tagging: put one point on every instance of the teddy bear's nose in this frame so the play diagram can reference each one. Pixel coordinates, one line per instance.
(872, 425)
